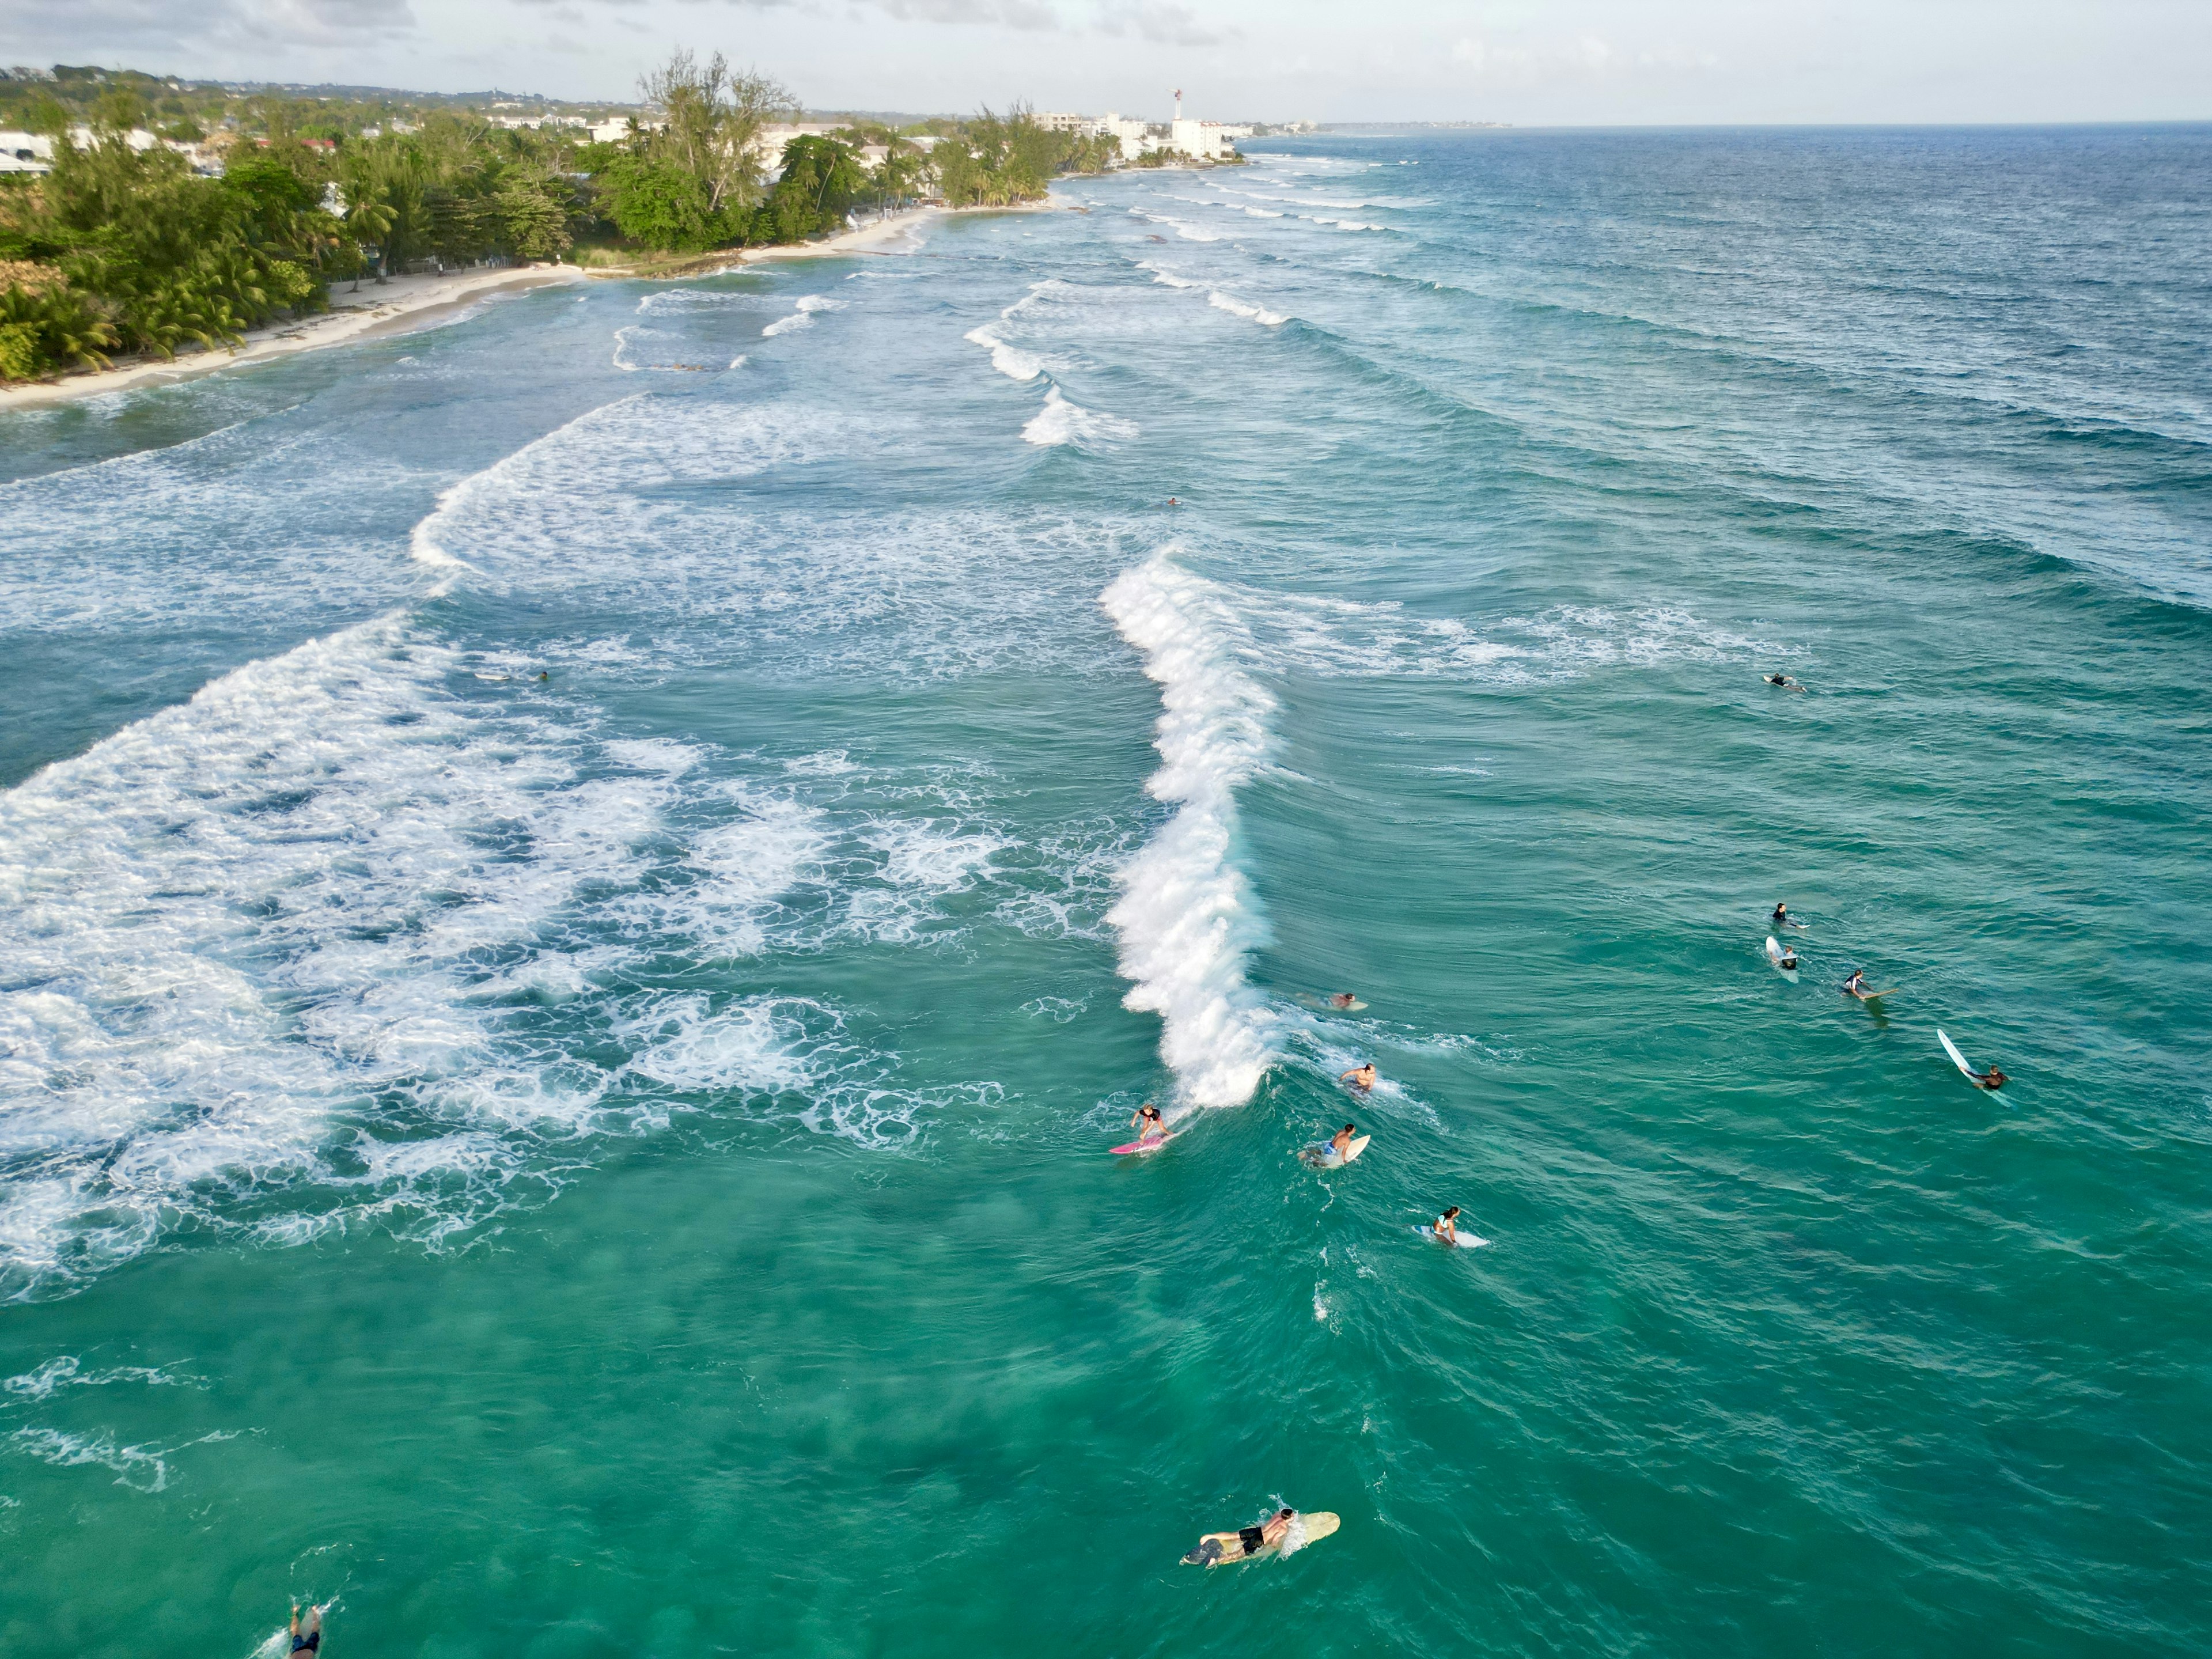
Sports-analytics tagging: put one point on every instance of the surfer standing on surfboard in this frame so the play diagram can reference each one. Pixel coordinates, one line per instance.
(1148, 1123)
(1361, 1077)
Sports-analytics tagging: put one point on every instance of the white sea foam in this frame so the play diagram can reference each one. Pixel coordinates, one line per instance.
(142, 1468)
(1237, 307)
(808, 305)
(1061, 421)
(1187, 916)
(1010, 361)
(1162, 274)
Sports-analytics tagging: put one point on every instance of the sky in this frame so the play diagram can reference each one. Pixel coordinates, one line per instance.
(1530, 63)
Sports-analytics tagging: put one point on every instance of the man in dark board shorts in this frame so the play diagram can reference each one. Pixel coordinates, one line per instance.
(308, 1634)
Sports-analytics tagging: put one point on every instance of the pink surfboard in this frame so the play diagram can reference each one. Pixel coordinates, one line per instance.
(1137, 1148)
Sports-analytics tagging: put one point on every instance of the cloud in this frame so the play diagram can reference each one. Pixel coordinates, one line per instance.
(1006, 14)
(1164, 23)
(122, 27)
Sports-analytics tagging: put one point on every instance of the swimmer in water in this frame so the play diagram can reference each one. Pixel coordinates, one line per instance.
(306, 1634)
(1446, 1229)
(542, 676)
(1341, 1142)
(1172, 501)
(1782, 919)
(1148, 1123)
(1361, 1077)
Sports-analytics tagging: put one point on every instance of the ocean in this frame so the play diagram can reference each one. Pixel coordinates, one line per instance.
(583, 892)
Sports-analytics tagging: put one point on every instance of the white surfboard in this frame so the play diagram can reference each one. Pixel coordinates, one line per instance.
(1465, 1240)
(1322, 1155)
(1957, 1059)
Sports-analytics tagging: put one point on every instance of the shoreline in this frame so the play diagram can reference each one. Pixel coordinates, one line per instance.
(873, 239)
(402, 304)
(407, 303)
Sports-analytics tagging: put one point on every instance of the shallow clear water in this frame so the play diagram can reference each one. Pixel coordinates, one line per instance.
(614, 1163)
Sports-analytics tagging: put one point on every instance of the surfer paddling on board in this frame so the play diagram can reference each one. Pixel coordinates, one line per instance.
(1148, 1123)
(1341, 1142)
(1361, 1077)
(1784, 681)
(306, 1634)
(1343, 1000)
(1248, 1540)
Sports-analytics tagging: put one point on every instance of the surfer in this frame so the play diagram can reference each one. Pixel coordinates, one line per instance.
(1784, 681)
(1250, 1541)
(1172, 501)
(1782, 919)
(1341, 1142)
(1361, 1077)
(307, 1634)
(1856, 986)
(1992, 1079)
(1787, 962)
(1342, 999)
(1446, 1230)
(1148, 1123)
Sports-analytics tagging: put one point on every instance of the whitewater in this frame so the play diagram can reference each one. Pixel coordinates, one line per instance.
(583, 894)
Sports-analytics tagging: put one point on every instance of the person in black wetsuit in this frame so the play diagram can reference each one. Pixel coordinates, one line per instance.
(307, 1634)
(1782, 919)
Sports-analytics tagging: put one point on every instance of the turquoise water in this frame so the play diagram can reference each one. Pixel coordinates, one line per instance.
(615, 1164)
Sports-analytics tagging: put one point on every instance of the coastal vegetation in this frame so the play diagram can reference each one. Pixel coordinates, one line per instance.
(180, 215)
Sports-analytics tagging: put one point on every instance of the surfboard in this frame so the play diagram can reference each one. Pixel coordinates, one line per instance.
(1957, 1059)
(1322, 1155)
(1139, 1148)
(1228, 1547)
(1465, 1240)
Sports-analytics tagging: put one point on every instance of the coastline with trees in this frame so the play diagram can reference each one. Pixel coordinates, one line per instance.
(127, 247)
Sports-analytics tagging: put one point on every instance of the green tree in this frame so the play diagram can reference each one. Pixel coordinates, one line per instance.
(711, 119)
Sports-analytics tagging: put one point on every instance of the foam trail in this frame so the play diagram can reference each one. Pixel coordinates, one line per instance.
(1011, 361)
(1187, 916)
(1238, 308)
(804, 317)
(1061, 421)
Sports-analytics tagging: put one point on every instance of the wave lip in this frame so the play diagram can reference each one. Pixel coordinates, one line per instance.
(1187, 916)
(1010, 361)
(1061, 421)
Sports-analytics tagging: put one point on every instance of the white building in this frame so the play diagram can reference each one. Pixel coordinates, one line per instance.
(1135, 137)
(26, 151)
(1083, 126)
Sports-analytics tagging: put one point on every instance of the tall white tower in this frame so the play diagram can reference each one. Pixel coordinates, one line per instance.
(1178, 98)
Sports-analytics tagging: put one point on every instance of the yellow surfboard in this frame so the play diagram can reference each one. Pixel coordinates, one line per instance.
(1224, 1549)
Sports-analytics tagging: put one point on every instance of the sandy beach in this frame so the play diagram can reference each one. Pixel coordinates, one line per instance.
(370, 311)
(403, 303)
